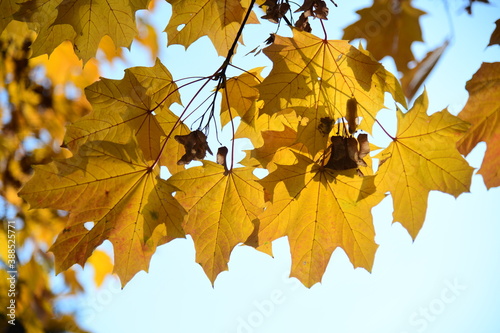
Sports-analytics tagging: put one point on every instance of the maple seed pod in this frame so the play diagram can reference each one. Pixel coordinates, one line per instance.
(364, 145)
(221, 158)
(352, 149)
(195, 144)
(352, 114)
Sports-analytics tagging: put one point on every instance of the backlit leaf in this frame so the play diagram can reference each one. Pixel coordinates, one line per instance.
(222, 209)
(217, 19)
(113, 186)
(422, 157)
(83, 22)
(319, 210)
(136, 105)
(316, 78)
(390, 28)
(483, 112)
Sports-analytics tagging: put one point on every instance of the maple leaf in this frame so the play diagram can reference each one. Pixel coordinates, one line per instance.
(390, 28)
(320, 209)
(239, 95)
(195, 144)
(277, 148)
(317, 78)
(136, 105)
(114, 186)
(220, 20)
(483, 112)
(84, 22)
(422, 157)
(222, 208)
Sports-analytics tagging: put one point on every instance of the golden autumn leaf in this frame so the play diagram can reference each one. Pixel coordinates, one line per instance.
(309, 121)
(253, 125)
(317, 77)
(148, 37)
(220, 20)
(63, 65)
(483, 112)
(222, 208)
(83, 22)
(390, 28)
(136, 105)
(239, 95)
(320, 209)
(277, 149)
(108, 48)
(422, 157)
(102, 264)
(117, 189)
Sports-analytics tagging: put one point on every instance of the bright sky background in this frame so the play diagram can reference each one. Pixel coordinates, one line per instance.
(445, 281)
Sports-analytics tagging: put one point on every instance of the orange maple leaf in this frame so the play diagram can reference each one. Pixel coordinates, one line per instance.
(483, 112)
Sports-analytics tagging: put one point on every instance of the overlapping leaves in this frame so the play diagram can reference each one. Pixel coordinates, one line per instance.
(84, 22)
(113, 177)
(316, 78)
(301, 118)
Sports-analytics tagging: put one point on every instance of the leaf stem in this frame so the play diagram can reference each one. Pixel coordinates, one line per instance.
(383, 129)
(324, 30)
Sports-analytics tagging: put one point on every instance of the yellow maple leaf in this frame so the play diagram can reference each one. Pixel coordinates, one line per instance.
(63, 66)
(319, 210)
(102, 264)
(483, 112)
(390, 28)
(220, 20)
(83, 22)
(317, 78)
(239, 95)
(422, 157)
(136, 105)
(115, 187)
(222, 209)
(278, 148)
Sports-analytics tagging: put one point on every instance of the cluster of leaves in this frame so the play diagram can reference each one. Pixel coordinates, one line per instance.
(39, 96)
(34, 108)
(309, 120)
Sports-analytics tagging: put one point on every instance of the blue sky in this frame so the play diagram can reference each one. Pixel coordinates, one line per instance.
(444, 281)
